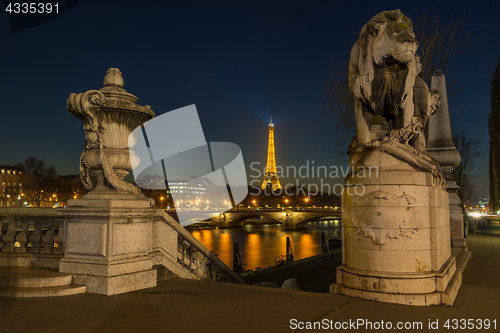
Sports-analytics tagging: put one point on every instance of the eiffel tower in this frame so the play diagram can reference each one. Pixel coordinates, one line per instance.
(271, 178)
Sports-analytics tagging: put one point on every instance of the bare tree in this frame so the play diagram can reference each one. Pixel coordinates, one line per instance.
(468, 146)
(68, 187)
(437, 44)
(39, 180)
(339, 106)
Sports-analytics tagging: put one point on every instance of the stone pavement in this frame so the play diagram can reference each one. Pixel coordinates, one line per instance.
(202, 306)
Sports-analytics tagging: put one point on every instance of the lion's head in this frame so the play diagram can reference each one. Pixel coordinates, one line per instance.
(385, 40)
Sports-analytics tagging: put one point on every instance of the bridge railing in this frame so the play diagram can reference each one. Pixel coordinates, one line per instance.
(194, 256)
(316, 210)
(284, 209)
(31, 237)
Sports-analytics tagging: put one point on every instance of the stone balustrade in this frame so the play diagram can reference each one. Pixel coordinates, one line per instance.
(31, 237)
(114, 242)
(193, 258)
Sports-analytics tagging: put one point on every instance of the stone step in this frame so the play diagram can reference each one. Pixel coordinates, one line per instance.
(9, 291)
(32, 277)
(463, 259)
(36, 282)
(451, 292)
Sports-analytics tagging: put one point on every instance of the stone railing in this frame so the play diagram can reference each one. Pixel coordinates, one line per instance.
(31, 237)
(260, 209)
(178, 251)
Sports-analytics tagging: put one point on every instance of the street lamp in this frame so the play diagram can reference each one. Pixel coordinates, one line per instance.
(161, 199)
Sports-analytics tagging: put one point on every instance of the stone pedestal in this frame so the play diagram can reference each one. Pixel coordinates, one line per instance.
(440, 147)
(395, 233)
(108, 241)
(457, 232)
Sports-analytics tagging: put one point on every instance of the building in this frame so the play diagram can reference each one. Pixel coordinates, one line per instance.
(193, 189)
(11, 194)
(186, 193)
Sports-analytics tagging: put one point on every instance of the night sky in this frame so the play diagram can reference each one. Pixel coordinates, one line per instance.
(238, 62)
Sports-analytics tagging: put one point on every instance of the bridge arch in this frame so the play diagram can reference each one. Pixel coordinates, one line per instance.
(302, 224)
(240, 221)
(289, 218)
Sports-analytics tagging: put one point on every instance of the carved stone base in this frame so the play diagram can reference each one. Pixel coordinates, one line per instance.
(120, 284)
(405, 299)
(411, 289)
(112, 268)
(109, 199)
(108, 249)
(395, 232)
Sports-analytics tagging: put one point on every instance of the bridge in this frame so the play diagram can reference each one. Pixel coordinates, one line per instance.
(290, 218)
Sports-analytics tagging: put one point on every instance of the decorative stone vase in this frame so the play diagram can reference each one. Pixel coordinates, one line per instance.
(109, 115)
(108, 233)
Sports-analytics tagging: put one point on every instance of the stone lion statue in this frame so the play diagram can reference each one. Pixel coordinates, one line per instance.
(382, 73)
(391, 103)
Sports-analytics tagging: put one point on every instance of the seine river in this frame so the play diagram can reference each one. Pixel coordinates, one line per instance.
(259, 245)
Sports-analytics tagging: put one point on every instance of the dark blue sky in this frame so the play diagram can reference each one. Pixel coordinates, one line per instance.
(239, 62)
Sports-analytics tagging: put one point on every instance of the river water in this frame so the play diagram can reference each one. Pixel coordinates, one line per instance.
(259, 245)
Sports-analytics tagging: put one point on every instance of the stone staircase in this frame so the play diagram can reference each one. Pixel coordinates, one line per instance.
(36, 282)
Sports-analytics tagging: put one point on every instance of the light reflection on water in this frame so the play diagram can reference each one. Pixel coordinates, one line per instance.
(260, 244)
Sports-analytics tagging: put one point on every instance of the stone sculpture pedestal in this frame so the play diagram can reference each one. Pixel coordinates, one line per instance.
(109, 238)
(456, 217)
(395, 233)
(442, 149)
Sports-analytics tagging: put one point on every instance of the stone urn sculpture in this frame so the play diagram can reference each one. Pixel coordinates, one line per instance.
(109, 115)
(108, 233)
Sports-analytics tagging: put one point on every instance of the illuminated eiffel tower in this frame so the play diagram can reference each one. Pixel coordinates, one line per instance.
(271, 178)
